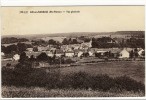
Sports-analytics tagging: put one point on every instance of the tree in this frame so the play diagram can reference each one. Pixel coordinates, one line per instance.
(53, 58)
(42, 57)
(10, 49)
(143, 54)
(136, 52)
(87, 40)
(23, 58)
(85, 54)
(131, 54)
(8, 40)
(51, 41)
(21, 47)
(23, 69)
(3, 49)
(29, 46)
(33, 62)
(65, 41)
(74, 41)
(35, 49)
(32, 58)
(24, 66)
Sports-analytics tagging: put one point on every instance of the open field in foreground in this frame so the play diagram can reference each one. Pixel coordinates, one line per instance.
(50, 83)
(9, 92)
(133, 69)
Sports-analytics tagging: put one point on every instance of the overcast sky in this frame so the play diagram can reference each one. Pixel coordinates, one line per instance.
(90, 19)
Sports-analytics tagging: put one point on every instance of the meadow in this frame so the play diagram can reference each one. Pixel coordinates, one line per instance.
(133, 69)
(124, 78)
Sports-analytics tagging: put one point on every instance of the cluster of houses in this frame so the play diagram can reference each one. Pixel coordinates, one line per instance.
(78, 50)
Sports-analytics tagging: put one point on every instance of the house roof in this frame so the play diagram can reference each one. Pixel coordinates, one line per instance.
(48, 52)
(140, 50)
(59, 51)
(69, 52)
(116, 50)
(35, 54)
(128, 49)
(124, 50)
(2, 53)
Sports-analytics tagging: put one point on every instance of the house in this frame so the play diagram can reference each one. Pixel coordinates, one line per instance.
(91, 52)
(86, 45)
(84, 52)
(124, 54)
(42, 48)
(68, 48)
(35, 54)
(100, 53)
(2, 54)
(129, 49)
(76, 52)
(49, 53)
(16, 57)
(80, 53)
(76, 46)
(64, 47)
(59, 53)
(114, 53)
(52, 49)
(7, 57)
(69, 53)
(29, 49)
(141, 53)
(43, 64)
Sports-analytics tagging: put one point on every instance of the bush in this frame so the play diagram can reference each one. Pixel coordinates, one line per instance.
(79, 80)
(102, 82)
(53, 79)
(23, 68)
(128, 84)
(8, 65)
(7, 76)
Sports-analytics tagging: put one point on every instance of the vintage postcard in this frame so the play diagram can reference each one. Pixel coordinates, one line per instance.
(73, 51)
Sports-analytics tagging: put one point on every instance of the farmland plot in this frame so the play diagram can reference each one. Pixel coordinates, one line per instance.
(133, 69)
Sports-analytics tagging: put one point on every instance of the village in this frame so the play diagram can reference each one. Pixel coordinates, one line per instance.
(78, 53)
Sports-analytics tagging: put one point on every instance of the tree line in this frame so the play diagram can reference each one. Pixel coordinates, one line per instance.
(8, 40)
(18, 48)
(107, 42)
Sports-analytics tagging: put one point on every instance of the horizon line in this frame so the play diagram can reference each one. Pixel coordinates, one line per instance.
(68, 33)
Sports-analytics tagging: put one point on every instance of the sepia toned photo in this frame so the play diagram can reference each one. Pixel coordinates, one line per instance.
(73, 51)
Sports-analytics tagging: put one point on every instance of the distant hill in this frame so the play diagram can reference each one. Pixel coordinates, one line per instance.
(130, 32)
(75, 34)
(71, 34)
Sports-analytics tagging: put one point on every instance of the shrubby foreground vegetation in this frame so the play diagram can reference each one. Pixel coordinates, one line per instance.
(52, 79)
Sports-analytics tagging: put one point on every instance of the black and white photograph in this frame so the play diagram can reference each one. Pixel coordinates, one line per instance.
(73, 51)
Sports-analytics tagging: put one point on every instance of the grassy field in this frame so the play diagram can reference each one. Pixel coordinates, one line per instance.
(12, 92)
(13, 63)
(133, 69)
